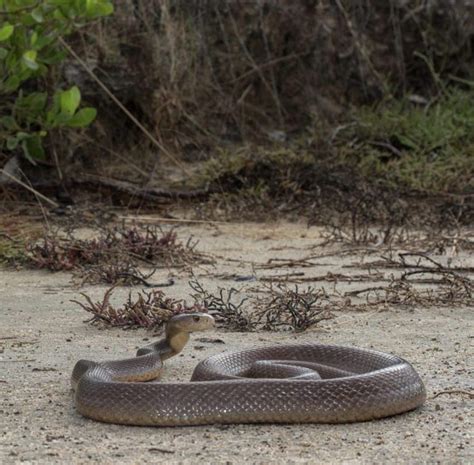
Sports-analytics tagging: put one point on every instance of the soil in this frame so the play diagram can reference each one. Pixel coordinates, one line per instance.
(43, 334)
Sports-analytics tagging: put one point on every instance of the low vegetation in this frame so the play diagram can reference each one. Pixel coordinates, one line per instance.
(115, 255)
(148, 310)
(427, 147)
(379, 165)
(12, 250)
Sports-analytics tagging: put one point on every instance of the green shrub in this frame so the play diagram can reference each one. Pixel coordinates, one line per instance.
(29, 46)
(428, 148)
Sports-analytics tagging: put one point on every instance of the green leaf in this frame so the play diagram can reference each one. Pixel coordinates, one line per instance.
(33, 148)
(91, 6)
(53, 112)
(37, 15)
(106, 9)
(53, 58)
(12, 142)
(97, 8)
(60, 119)
(70, 100)
(3, 53)
(22, 135)
(24, 74)
(50, 117)
(29, 59)
(6, 31)
(44, 40)
(83, 118)
(8, 122)
(29, 107)
(58, 15)
(12, 84)
(11, 62)
(27, 20)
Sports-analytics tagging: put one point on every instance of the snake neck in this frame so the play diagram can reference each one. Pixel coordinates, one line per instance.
(176, 340)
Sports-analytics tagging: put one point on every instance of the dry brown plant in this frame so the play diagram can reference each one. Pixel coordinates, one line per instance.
(149, 310)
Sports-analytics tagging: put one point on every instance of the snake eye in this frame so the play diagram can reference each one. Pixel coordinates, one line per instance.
(196, 318)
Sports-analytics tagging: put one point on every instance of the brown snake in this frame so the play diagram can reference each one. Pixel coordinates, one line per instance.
(281, 384)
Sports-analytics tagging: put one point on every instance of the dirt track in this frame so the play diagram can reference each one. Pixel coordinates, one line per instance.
(42, 334)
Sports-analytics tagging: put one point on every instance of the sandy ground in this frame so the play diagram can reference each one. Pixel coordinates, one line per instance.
(42, 334)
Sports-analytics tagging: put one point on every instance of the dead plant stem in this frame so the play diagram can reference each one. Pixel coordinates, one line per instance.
(29, 188)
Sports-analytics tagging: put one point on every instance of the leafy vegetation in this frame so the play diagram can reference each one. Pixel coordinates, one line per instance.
(404, 145)
(12, 250)
(428, 147)
(30, 35)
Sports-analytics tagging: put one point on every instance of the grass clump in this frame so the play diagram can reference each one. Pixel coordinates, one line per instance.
(275, 169)
(12, 250)
(426, 148)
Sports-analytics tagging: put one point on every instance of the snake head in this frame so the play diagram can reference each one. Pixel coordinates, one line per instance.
(190, 322)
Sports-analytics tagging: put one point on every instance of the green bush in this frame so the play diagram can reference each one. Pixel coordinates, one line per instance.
(29, 46)
(429, 148)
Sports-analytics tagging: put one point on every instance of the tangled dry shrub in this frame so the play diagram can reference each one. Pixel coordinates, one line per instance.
(425, 283)
(282, 308)
(291, 308)
(223, 306)
(115, 255)
(116, 271)
(149, 310)
(450, 290)
(56, 254)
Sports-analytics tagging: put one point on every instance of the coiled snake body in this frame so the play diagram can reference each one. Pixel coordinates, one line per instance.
(282, 384)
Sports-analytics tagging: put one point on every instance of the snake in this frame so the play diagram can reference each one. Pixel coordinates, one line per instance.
(299, 383)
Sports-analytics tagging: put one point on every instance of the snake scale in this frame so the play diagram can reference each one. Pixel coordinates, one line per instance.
(282, 384)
